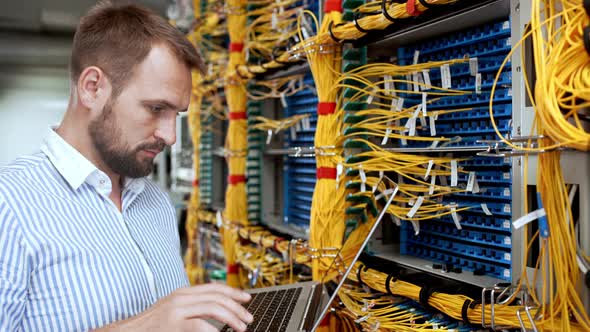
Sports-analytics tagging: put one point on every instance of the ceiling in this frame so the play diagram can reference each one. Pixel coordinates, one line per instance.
(39, 32)
(54, 15)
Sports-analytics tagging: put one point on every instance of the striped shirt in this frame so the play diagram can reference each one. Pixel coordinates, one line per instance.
(69, 259)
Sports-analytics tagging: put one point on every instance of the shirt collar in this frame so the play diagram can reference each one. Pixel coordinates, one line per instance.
(70, 163)
(76, 169)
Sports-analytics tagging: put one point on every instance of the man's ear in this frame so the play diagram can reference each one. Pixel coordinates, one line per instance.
(94, 88)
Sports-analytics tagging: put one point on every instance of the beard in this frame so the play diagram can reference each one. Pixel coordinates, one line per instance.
(121, 158)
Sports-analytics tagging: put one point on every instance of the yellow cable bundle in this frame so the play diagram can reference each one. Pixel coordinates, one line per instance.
(236, 207)
(192, 256)
(327, 209)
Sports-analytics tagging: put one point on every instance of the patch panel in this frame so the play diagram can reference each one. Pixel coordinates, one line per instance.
(463, 261)
(300, 172)
(206, 162)
(484, 242)
(484, 33)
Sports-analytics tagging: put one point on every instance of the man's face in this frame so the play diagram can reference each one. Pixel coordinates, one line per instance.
(135, 126)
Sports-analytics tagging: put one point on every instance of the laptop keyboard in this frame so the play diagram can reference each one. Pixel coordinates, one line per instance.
(271, 310)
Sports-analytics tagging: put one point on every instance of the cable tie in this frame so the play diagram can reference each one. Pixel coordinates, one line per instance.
(425, 294)
(326, 108)
(333, 6)
(385, 13)
(390, 277)
(238, 115)
(326, 173)
(236, 179)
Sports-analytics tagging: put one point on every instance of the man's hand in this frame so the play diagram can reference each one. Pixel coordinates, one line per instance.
(187, 309)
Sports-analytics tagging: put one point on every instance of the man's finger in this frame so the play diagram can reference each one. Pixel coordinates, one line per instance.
(217, 312)
(226, 302)
(234, 293)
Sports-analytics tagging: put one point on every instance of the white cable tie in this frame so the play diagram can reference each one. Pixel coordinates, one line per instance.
(362, 319)
(428, 169)
(485, 209)
(424, 95)
(454, 175)
(416, 57)
(416, 206)
(268, 136)
(283, 100)
(456, 217)
(527, 218)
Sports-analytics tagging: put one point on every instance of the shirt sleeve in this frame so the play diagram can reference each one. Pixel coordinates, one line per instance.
(14, 271)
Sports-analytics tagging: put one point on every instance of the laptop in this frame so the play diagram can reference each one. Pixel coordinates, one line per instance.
(298, 307)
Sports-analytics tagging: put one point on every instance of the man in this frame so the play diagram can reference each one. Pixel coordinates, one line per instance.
(86, 241)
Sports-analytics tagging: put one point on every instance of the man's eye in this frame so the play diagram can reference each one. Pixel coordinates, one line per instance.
(156, 109)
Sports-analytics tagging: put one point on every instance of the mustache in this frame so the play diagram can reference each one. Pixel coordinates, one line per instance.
(159, 145)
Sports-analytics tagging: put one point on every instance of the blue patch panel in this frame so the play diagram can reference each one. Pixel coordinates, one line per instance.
(484, 33)
(484, 244)
(466, 262)
(300, 172)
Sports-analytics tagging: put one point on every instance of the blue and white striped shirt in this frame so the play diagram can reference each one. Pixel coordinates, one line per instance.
(69, 259)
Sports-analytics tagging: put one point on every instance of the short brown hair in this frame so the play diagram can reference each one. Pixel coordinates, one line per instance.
(118, 37)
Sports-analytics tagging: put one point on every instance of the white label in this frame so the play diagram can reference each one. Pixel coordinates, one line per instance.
(434, 144)
(422, 121)
(424, 95)
(507, 208)
(506, 160)
(507, 240)
(507, 256)
(454, 176)
(393, 104)
(446, 76)
(403, 141)
(485, 209)
(432, 182)
(456, 217)
(506, 176)
(428, 169)
(400, 104)
(387, 84)
(510, 92)
(475, 186)
(416, 56)
(393, 89)
(478, 83)
(473, 67)
(416, 206)
(506, 191)
(283, 100)
(506, 224)
(509, 42)
(268, 136)
(470, 181)
(370, 99)
(415, 80)
(506, 273)
(274, 20)
(386, 136)
(518, 223)
(506, 25)
(432, 127)
(427, 82)
(306, 124)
